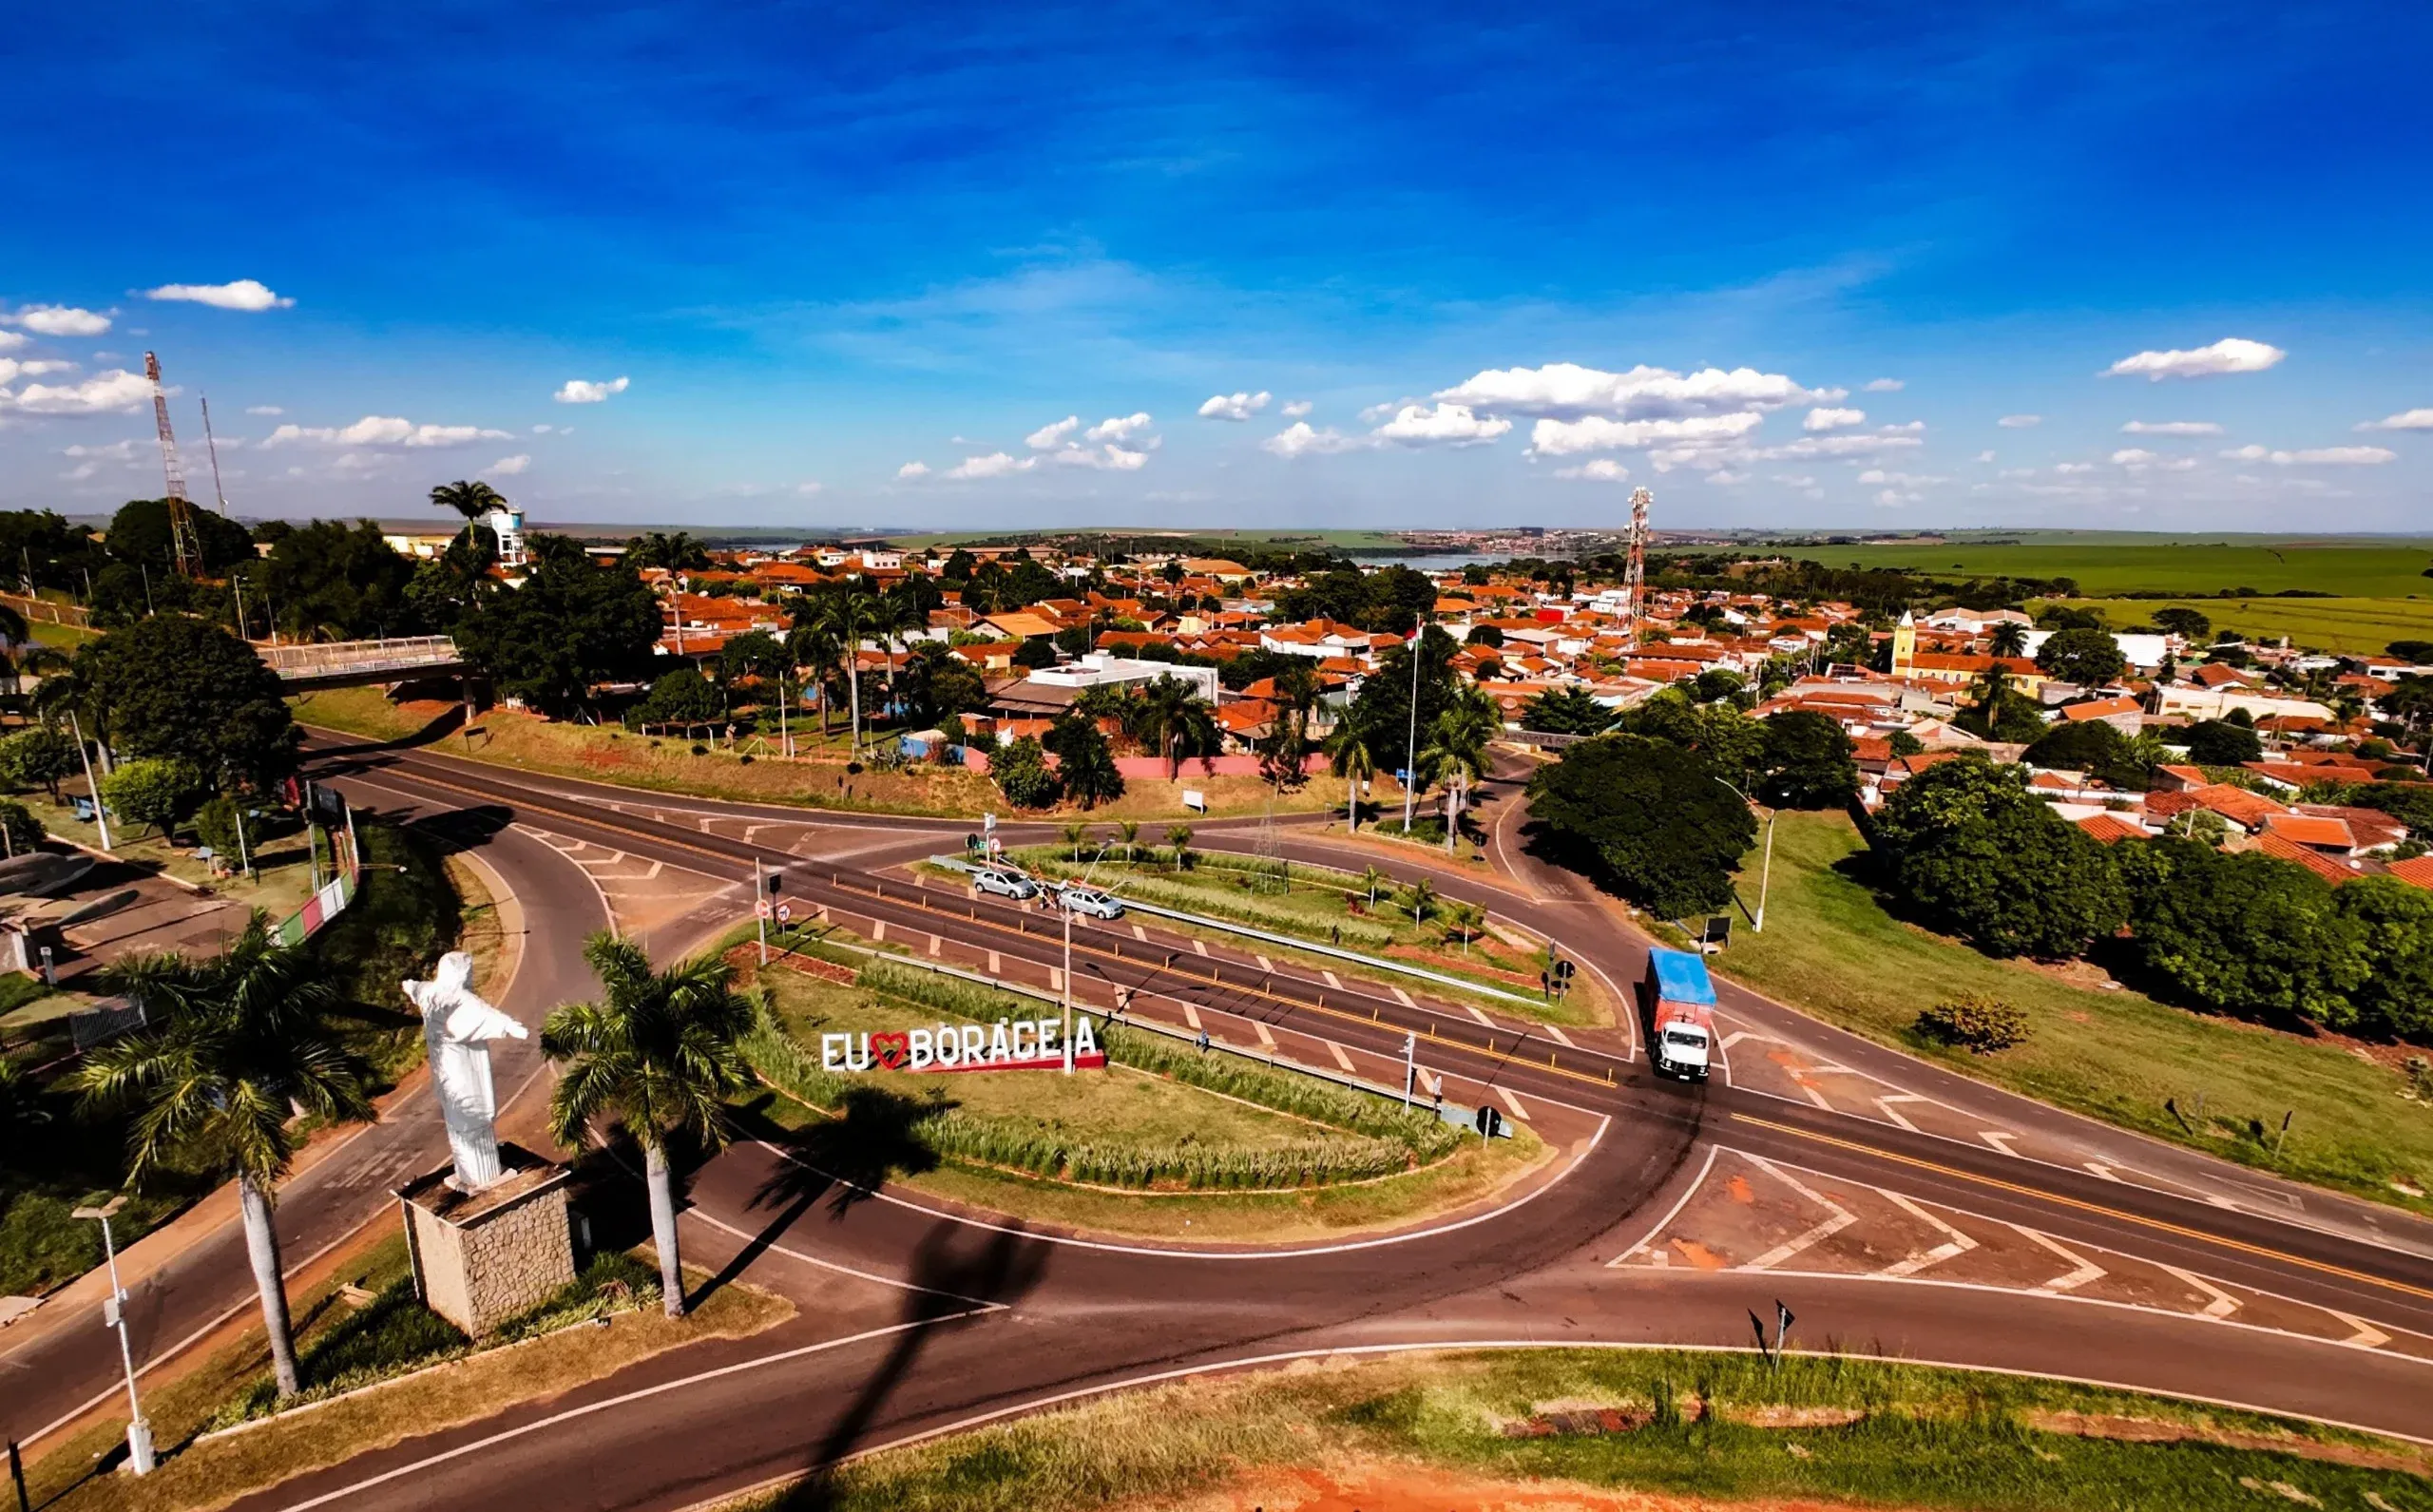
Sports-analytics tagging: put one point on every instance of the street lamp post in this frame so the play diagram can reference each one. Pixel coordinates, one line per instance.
(1411, 748)
(1766, 873)
(1064, 907)
(139, 1432)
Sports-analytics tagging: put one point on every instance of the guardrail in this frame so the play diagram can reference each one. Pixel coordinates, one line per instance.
(329, 657)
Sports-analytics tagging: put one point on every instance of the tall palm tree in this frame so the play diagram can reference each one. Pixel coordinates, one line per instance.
(1374, 880)
(1353, 762)
(1456, 752)
(812, 646)
(1180, 837)
(2010, 640)
(846, 613)
(658, 1051)
(1175, 721)
(1419, 900)
(1467, 920)
(1129, 833)
(1074, 835)
(235, 1046)
(471, 499)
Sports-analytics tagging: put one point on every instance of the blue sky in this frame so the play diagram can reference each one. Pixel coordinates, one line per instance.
(830, 248)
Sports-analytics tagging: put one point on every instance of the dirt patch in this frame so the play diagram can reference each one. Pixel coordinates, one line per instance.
(1390, 1488)
(2155, 1430)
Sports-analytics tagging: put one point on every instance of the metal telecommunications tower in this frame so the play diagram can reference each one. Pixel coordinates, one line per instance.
(183, 541)
(1635, 577)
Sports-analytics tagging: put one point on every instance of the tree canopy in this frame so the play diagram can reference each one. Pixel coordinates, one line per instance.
(573, 624)
(339, 582)
(1806, 762)
(2221, 743)
(2092, 747)
(1565, 711)
(1968, 842)
(138, 536)
(172, 686)
(1649, 817)
(2089, 657)
(2245, 933)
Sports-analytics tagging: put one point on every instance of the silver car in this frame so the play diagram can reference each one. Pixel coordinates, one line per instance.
(1005, 883)
(1090, 901)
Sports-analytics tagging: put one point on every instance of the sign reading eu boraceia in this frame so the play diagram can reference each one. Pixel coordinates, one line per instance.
(1008, 1045)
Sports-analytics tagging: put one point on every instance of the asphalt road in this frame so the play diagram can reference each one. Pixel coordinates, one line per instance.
(915, 1317)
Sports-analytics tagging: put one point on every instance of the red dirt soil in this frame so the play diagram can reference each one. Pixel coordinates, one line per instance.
(1390, 1488)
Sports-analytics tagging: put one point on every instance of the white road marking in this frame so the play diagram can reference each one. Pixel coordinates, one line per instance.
(1885, 1103)
(878, 930)
(1140, 934)
(936, 944)
(2367, 1337)
(1331, 981)
(1514, 1103)
(2223, 1304)
(1263, 964)
(1340, 1059)
(1055, 980)
(1814, 1095)
(1191, 1015)
(1995, 1137)
(1739, 1035)
(1264, 1038)
(1402, 998)
(2084, 1269)
(1199, 946)
(2102, 1170)
(1557, 1037)
(995, 967)
(1957, 1244)
(1842, 1219)
(1475, 1013)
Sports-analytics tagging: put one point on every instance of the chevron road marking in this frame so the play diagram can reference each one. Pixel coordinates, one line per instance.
(1957, 1244)
(1558, 1036)
(2084, 1269)
(1514, 1103)
(2223, 1304)
(1885, 1103)
(1995, 1137)
(1264, 1038)
(2367, 1336)
(1842, 1219)
(1330, 980)
(1480, 1016)
(1404, 998)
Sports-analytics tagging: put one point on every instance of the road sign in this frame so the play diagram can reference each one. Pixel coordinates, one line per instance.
(785, 912)
(987, 824)
(1195, 800)
(763, 908)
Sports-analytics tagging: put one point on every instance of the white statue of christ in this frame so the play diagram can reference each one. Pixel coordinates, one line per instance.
(456, 1024)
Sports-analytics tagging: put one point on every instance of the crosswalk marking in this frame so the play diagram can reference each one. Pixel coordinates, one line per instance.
(2082, 1270)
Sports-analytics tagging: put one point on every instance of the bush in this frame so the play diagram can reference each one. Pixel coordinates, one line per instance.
(1978, 1026)
(2222, 743)
(1022, 774)
(37, 758)
(159, 790)
(23, 830)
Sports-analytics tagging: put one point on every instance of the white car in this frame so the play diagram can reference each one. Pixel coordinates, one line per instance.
(1090, 901)
(1005, 883)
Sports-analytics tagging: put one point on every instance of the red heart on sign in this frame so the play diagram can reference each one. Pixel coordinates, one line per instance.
(891, 1051)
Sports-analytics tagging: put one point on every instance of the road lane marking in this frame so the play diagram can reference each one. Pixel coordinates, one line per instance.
(1140, 934)
(1814, 1095)
(937, 944)
(2158, 1225)
(1340, 1059)
(1191, 1015)
(1330, 980)
(1842, 1219)
(2102, 1170)
(1199, 946)
(2082, 1270)
(2222, 1305)
(1995, 1137)
(1885, 1103)
(1263, 963)
(1259, 1026)
(1514, 1103)
(2367, 1337)
(994, 968)
(1479, 1015)
(1402, 998)
(1957, 1244)
(1558, 1036)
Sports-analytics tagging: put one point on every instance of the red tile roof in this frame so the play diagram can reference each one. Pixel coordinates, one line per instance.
(2311, 830)
(2418, 873)
(2110, 827)
(2314, 861)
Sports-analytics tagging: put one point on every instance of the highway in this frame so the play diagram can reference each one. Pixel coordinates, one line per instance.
(1814, 1153)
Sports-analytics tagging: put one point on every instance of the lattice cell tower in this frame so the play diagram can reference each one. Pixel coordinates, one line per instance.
(183, 540)
(1635, 577)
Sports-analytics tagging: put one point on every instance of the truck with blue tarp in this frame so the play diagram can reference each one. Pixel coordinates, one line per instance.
(1679, 1001)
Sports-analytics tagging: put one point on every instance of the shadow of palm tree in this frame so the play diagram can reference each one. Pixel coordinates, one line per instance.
(958, 1270)
(846, 1158)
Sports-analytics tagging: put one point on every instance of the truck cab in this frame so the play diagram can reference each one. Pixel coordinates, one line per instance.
(1680, 1002)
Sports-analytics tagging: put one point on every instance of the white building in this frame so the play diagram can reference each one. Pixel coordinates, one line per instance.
(1100, 670)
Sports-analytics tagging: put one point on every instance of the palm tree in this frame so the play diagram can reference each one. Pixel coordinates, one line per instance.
(1467, 920)
(1180, 837)
(846, 613)
(1456, 752)
(1175, 721)
(811, 645)
(1074, 835)
(1129, 833)
(471, 500)
(1353, 762)
(1419, 900)
(1373, 879)
(2010, 640)
(235, 1046)
(659, 1052)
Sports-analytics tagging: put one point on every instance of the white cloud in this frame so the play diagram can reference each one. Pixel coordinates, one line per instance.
(11, 341)
(1890, 499)
(1984, 456)
(103, 393)
(2065, 469)
(509, 467)
(115, 451)
(1110, 457)
(1794, 479)
(1119, 427)
(1370, 414)
(2316, 457)
(1906, 480)
(995, 465)
(2018, 421)
(1904, 428)
(808, 489)
(2138, 459)
(245, 293)
(1602, 470)
(58, 320)
(1298, 439)
(383, 430)
(1832, 419)
(581, 390)
(1296, 409)
(2230, 354)
(2171, 428)
(1725, 476)
(913, 469)
(2405, 420)
(1884, 386)
(1048, 438)
(1446, 425)
(264, 409)
(1842, 446)
(1567, 388)
(1594, 432)
(1234, 406)
(11, 370)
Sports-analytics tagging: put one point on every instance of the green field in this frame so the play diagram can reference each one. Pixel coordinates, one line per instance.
(1149, 537)
(2106, 564)
(2356, 626)
(1712, 1431)
(1831, 949)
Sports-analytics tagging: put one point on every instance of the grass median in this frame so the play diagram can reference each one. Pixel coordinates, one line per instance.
(1596, 1430)
(1832, 950)
(1165, 1141)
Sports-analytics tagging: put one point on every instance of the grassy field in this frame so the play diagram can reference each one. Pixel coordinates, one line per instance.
(1110, 1118)
(1149, 539)
(1319, 903)
(2105, 563)
(1831, 949)
(667, 764)
(2358, 626)
(1712, 1430)
(340, 1346)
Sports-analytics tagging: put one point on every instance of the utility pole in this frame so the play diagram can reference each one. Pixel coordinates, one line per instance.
(101, 815)
(213, 447)
(1410, 1065)
(1410, 749)
(139, 1432)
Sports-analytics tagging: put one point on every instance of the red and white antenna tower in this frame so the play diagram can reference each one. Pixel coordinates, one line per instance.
(1635, 577)
(182, 541)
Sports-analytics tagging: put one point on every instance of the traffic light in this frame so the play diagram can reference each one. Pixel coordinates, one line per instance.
(773, 878)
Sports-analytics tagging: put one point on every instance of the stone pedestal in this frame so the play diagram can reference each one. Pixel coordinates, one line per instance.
(482, 1258)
